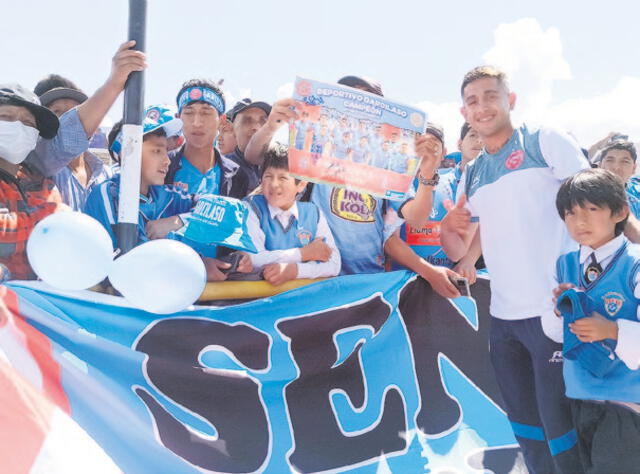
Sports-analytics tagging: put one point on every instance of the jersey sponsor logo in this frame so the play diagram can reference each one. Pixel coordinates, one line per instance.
(514, 160)
(613, 302)
(304, 236)
(352, 205)
(428, 234)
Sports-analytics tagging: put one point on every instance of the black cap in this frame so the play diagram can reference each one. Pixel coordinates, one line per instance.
(364, 83)
(62, 93)
(15, 94)
(245, 104)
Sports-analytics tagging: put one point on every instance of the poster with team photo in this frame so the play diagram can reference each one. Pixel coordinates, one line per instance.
(353, 139)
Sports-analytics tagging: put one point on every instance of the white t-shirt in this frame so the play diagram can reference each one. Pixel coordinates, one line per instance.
(513, 193)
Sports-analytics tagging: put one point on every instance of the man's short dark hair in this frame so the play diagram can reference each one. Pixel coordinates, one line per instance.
(481, 72)
(624, 145)
(53, 81)
(201, 82)
(595, 186)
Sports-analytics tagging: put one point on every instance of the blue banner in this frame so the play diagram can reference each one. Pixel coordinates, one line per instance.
(352, 374)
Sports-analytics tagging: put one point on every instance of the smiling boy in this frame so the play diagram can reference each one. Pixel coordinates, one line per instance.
(160, 204)
(606, 407)
(293, 238)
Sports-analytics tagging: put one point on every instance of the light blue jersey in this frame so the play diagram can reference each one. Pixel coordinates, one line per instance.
(162, 201)
(425, 240)
(360, 154)
(302, 127)
(357, 223)
(634, 203)
(194, 182)
(611, 295)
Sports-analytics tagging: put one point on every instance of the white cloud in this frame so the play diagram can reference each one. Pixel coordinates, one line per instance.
(591, 118)
(533, 58)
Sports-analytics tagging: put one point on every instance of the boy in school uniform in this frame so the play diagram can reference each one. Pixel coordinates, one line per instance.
(293, 238)
(605, 399)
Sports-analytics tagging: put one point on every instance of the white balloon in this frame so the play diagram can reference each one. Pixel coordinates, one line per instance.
(160, 276)
(70, 250)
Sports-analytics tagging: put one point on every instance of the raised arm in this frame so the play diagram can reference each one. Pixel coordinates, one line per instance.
(81, 122)
(281, 113)
(429, 148)
(95, 108)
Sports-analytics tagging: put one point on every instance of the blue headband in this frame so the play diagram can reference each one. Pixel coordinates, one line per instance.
(201, 94)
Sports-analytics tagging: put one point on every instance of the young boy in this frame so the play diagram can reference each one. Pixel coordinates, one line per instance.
(160, 204)
(510, 189)
(606, 408)
(363, 224)
(293, 238)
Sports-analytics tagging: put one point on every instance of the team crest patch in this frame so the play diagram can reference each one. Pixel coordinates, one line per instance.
(304, 236)
(613, 302)
(153, 114)
(514, 160)
(352, 205)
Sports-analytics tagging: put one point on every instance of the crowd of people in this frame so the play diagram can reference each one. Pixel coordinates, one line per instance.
(528, 201)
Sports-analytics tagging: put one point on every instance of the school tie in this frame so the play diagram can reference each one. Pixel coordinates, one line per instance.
(593, 270)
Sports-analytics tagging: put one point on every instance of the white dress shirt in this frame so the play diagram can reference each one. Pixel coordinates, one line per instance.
(305, 269)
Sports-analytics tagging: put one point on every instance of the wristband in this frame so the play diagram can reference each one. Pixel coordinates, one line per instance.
(429, 182)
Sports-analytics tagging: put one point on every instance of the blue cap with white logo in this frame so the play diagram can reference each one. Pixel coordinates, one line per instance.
(155, 117)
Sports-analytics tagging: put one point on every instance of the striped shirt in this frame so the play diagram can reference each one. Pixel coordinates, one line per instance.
(73, 192)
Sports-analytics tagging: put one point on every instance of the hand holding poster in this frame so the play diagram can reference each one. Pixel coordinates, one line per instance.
(351, 138)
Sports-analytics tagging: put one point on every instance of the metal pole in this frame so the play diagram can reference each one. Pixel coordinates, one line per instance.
(131, 155)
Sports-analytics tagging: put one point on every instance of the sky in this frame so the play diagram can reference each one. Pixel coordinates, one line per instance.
(574, 65)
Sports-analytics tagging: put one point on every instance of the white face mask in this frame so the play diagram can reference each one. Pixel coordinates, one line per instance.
(16, 141)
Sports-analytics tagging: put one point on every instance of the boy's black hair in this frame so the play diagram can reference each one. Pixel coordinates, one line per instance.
(595, 186)
(113, 134)
(464, 130)
(206, 83)
(276, 156)
(625, 145)
(51, 82)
